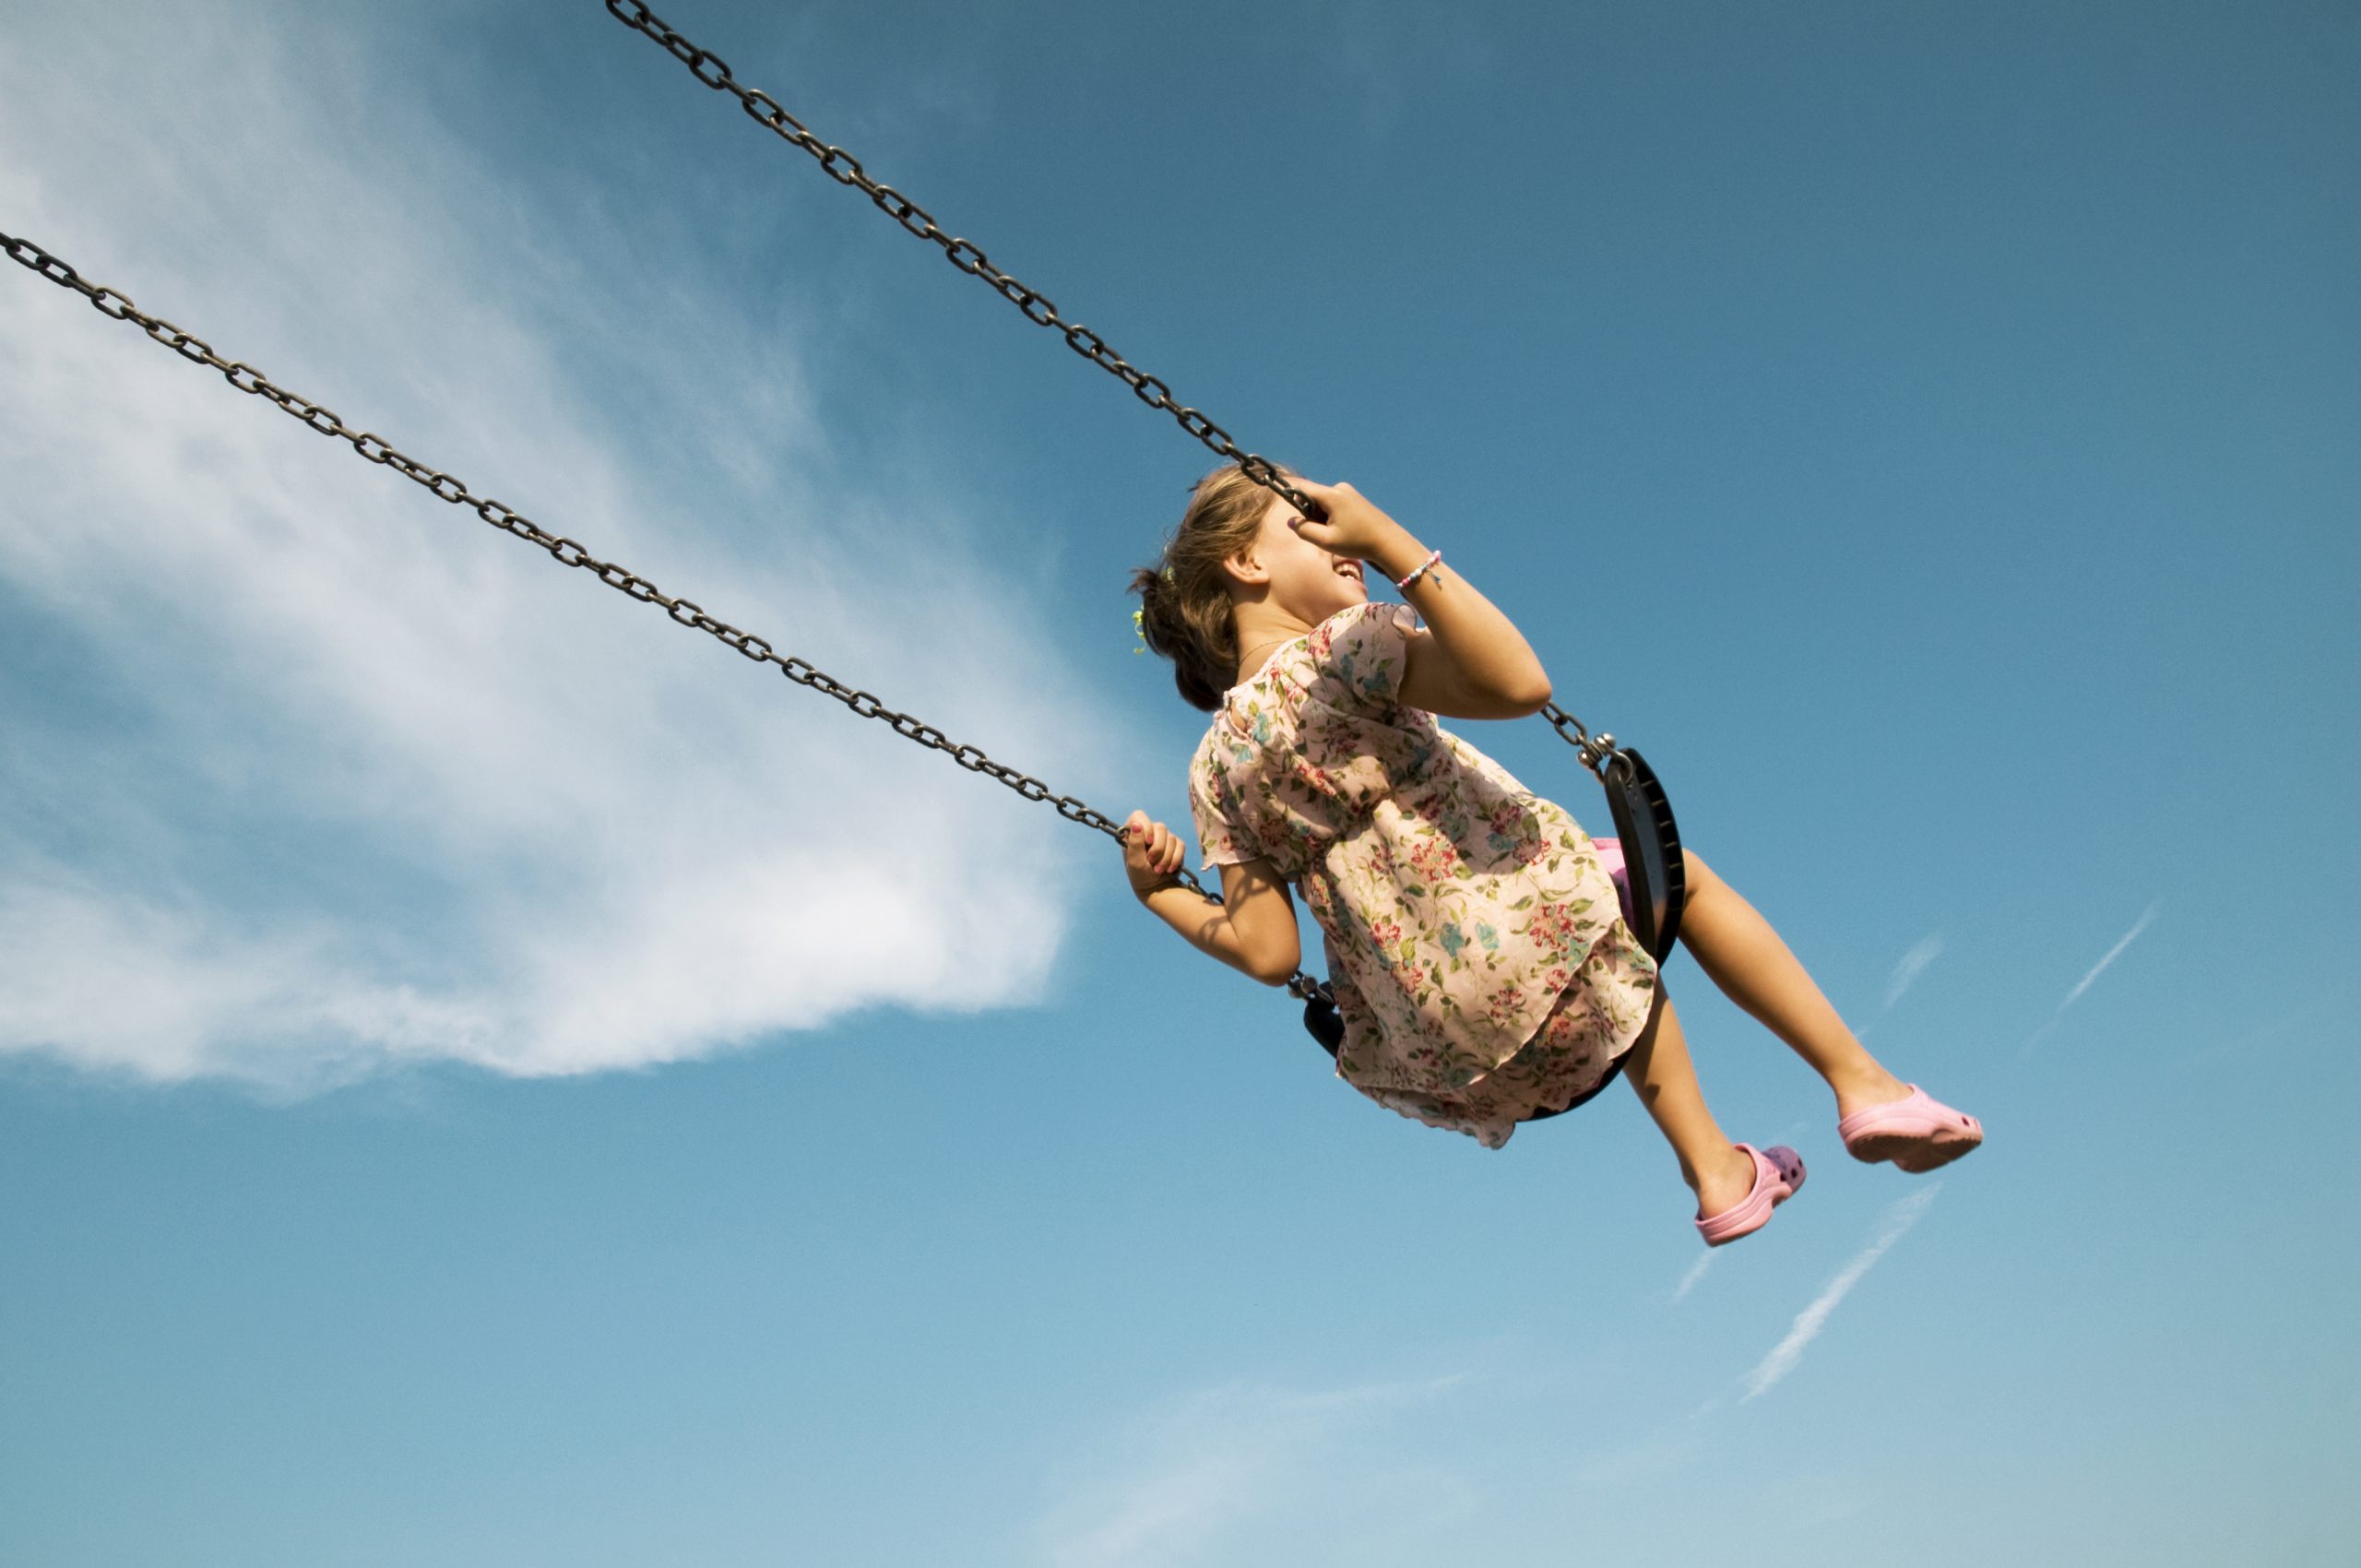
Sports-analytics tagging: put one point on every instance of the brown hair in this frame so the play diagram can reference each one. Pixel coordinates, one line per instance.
(1186, 612)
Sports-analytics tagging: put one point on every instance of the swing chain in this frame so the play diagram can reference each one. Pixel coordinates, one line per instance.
(965, 254)
(565, 551)
(968, 257)
(1593, 750)
(845, 169)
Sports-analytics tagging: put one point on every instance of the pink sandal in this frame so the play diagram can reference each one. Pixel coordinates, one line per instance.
(1778, 1172)
(1918, 1133)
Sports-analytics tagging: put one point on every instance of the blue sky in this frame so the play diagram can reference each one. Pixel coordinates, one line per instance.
(486, 1077)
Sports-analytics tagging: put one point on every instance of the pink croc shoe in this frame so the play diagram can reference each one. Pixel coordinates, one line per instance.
(1917, 1132)
(1778, 1172)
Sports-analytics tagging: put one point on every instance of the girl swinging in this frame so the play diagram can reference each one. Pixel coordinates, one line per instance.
(1475, 944)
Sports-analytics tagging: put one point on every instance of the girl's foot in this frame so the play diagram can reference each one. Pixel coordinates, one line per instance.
(1777, 1172)
(1917, 1132)
(1727, 1183)
(1858, 1092)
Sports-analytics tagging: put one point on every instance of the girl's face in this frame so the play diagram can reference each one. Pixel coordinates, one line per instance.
(1300, 579)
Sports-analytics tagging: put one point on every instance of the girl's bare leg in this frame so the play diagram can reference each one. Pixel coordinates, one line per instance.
(1741, 953)
(1659, 1069)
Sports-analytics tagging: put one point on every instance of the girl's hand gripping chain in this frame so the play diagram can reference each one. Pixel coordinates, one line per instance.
(1152, 853)
(1354, 527)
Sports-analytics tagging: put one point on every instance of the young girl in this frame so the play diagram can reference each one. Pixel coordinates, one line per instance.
(1475, 940)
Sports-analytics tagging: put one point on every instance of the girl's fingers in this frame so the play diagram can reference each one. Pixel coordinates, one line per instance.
(1148, 845)
(1152, 846)
(1326, 498)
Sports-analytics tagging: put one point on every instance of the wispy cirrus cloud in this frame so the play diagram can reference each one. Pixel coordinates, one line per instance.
(1688, 1281)
(1785, 1354)
(307, 775)
(1184, 1482)
(1914, 964)
(1905, 974)
(2097, 970)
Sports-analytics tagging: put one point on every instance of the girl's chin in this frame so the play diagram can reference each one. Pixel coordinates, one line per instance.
(1348, 594)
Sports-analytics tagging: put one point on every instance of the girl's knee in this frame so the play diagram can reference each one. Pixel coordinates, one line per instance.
(1695, 873)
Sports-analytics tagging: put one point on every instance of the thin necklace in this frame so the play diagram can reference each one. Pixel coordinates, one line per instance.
(1272, 642)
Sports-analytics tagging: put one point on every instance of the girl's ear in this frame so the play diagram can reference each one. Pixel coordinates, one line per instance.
(1244, 567)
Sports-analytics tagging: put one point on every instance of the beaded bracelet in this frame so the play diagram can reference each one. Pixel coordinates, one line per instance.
(1434, 559)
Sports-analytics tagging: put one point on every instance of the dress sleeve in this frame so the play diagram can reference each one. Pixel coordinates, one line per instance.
(1218, 836)
(1358, 659)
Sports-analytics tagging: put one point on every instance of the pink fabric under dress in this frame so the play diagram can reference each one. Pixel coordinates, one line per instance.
(1474, 940)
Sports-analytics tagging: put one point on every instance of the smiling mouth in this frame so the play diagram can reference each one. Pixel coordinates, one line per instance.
(1352, 571)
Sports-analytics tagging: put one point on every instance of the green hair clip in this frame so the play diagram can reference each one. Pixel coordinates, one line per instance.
(1137, 629)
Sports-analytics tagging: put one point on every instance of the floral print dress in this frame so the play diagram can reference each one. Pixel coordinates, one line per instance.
(1475, 943)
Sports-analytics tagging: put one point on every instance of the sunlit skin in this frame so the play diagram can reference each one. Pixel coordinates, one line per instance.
(1285, 586)
(1296, 574)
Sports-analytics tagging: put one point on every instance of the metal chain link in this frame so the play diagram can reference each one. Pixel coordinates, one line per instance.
(1593, 752)
(845, 169)
(568, 552)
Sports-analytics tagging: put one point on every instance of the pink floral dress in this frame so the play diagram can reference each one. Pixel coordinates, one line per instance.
(1474, 941)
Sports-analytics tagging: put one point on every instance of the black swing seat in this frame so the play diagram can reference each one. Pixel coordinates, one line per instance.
(1653, 864)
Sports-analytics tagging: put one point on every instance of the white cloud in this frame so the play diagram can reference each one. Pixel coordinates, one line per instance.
(147, 988)
(2096, 971)
(1183, 1482)
(2112, 955)
(1914, 964)
(1813, 1318)
(1696, 1272)
(336, 777)
(1625, 1469)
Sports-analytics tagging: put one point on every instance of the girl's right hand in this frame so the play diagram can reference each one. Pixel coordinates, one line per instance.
(1152, 853)
(1354, 526)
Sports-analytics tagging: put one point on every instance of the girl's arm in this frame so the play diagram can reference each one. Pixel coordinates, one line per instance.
(1471, 661)
(1252, 929)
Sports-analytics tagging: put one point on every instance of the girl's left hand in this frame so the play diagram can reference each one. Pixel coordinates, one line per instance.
(1152, 853)
(1354, 526)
